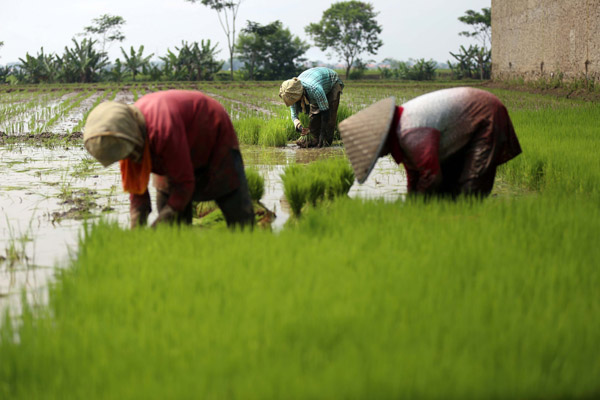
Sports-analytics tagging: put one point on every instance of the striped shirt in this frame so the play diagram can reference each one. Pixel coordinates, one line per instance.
(317, 82)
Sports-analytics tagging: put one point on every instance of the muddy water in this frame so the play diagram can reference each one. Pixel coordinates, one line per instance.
(46, 195)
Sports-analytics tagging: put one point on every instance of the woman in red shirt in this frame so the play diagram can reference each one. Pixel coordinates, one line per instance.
(186, 140)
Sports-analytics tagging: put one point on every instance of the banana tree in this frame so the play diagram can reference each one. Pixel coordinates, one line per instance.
(135, 62)
(40, 68)
(84, 61)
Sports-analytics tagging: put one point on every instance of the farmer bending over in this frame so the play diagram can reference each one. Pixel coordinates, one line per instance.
(187, 140)
(315, 92)
(450, 141)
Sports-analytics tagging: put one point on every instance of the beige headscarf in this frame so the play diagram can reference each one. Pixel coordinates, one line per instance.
(291, 91)
(112, 132)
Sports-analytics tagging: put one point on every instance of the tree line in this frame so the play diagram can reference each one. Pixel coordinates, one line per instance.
(268, 52)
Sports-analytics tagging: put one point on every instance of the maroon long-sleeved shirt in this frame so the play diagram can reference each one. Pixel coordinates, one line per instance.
(188, 132)
(431, 128)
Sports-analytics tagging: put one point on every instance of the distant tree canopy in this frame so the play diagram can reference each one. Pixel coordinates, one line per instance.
(349, 28)
(135, 62)
(196, 61)
(83, 63)
(474, 60)
(481, 23)
(270, 51)
(107, 28)
(227, 12)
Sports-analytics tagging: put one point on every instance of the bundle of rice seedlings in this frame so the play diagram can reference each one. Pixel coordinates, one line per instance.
(247, 129)
(343, 112)
(294, 187)
(323, 179)
(274, 133)
(339, 173)
(256, 184)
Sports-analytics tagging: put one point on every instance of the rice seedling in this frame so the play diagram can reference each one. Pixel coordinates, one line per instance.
(310, 184)
(456, 293)
(274, 132)
(295, 187)
(15, 251)
(256, 184)
(486, 299)
(248, 129)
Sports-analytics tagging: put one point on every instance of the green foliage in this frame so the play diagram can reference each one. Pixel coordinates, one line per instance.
(362, 299)
(248, 129)
(471, 62)
(82, 63)
(358, 69)
(136, 62)
(41, 68)
(481, 23)
(475, 60)
(560, 145)
(4, 73)
(270, 52)
(494, 299)
(108, 28)
(256, 183)
(274, 132)
(227, 11)
(192, 62)
(312, 183)
(349, 28)
(343, 112)
(420, 70)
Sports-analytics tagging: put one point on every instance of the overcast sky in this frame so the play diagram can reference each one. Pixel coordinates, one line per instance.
(411, 29)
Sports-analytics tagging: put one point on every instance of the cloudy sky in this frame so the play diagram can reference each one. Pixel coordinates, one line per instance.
(411, 29)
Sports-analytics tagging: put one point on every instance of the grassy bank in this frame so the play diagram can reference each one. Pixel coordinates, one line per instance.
(491, 299)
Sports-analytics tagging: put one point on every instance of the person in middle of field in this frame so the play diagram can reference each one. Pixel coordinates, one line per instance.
(315, 92)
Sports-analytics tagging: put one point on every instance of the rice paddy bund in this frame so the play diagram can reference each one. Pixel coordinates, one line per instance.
(359, 295)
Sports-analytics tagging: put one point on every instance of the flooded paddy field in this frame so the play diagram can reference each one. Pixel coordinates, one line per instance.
(47, 195)
(493, 298)
(51, 187)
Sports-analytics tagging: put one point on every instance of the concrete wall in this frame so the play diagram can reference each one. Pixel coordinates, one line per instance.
(535, 38)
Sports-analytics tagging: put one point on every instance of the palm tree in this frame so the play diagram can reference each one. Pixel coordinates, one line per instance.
(135, 62)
